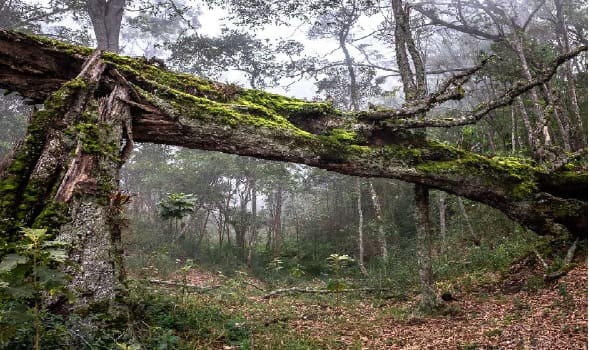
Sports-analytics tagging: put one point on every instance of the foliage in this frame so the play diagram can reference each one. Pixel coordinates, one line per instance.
(177, 205)
(27, 277)
(160, 322)
(338, 263)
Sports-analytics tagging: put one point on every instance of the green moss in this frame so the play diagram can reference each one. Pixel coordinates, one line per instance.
(187, 96)
(519, 175)
(89, 135)
(289, 107)
(342, 135)
(523, 190)
(57, 100)
(20, 198)
(53, 216)
(151, 74)
(60, 45)
(401, 153)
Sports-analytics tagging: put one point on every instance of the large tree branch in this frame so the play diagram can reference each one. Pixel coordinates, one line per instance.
(506, 98)
(183, 110)
(461, 27)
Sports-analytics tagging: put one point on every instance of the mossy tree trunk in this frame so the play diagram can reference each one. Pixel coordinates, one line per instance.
(412, 72)
(65, 176)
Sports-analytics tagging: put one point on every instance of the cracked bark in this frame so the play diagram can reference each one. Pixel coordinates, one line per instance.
(360, 228)
(72, 182)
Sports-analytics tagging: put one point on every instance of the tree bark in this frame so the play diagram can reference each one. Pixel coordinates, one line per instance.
(475, 239)
(65, 176)
(429, 300)
(106, 17)
(579, 139)
(254, 215)
(278, 221)
(415, 87)
(382, 241)
(442, 218)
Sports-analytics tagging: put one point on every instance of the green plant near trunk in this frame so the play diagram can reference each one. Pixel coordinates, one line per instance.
(27, 277)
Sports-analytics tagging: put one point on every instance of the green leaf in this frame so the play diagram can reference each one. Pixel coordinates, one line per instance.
(11, 261)
(50, 278)
(22, 292)
(35, 234)
(18, 314)
(58, 255)
(55, 244)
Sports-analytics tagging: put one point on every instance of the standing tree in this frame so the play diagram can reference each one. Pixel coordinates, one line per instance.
(415, 88)
(106, 17)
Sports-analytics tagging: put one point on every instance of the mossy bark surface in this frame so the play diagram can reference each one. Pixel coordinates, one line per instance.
(64, 177)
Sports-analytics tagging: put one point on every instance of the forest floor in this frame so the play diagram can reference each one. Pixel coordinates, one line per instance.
(516, 310)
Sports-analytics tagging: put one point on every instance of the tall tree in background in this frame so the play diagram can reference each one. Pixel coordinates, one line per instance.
(415, 88)
(106, 17)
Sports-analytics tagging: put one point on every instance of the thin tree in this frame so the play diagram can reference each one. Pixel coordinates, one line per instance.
(415, 88)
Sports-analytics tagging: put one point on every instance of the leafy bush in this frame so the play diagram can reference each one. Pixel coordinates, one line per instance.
(27, 277)
(163, 323)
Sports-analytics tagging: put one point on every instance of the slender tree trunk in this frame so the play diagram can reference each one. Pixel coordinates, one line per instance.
(360, 228)
(533, 140)
(429, 299)
(442, 216)
(489, 133)
(254, 221)
(513, 132)
(476, 240)
(203, 228)
(354, 97)
(382, 242)
(220, 229)
(540, 127)
(579, 139)
(278, 222)
(560, 117)
(297, 224)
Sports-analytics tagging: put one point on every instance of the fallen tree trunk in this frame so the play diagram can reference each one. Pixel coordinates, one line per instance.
(183, 110)
(297, 290)
(64, 176)
(183, 285)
